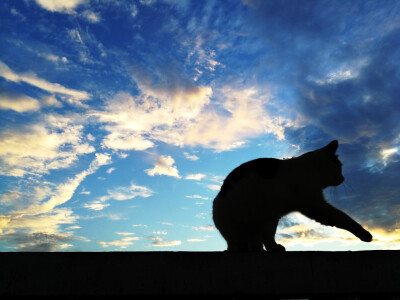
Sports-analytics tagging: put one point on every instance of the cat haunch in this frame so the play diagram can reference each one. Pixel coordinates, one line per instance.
(255, 195)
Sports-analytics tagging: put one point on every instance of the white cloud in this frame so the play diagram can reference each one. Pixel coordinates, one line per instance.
(164, 166)
(18, 102)
(214, 187)
(198, 197)
(126, 141)
(386, 153)
(65, 191)
(110, 170)
(125, 233)
(243, 116)
(160, 232)
(159, 242)
(74, 96)
(51, 101)
(197, 176)
(204, 228)
(53, 58)
(91, 16)
(195, 240)
(61, 6)
(167, 223)
(140, 225)
(185, 116)
(191, 157)
(122, 243)
(96, 205)
(134, 10)
(55, 143)
(120, 194)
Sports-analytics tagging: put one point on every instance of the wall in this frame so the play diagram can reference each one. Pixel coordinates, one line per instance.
(289, 275)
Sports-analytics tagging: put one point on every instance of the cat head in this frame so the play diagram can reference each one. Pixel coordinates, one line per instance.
(327, 165)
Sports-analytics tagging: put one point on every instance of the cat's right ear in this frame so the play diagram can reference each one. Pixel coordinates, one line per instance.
(332, 146)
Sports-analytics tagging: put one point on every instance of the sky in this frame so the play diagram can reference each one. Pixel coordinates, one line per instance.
(119, 120)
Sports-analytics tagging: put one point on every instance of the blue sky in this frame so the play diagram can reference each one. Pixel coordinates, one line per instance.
(120, 119)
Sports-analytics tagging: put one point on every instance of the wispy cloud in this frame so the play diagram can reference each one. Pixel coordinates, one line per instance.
(122, 243)
(160, 242)
(120, 193)
(195, 240)
(44, 217)
(204, 228)
(197, 176)
(91, 16)
(73, 96)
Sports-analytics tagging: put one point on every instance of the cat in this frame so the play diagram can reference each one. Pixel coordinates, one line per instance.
(255, 195)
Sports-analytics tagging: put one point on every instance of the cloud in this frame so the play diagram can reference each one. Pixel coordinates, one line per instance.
(190, 156)
(125, 233)
(41, 216)
(110, 170)
(164, 166)
(197, 176)
(96, 205)
(296, 229)
(204, 228)
(120, 193)
(126, 140)
(53, 58)
(55, 143)
(195, 240)
(73, 96)
(18, 102)
(171, 108)
(160, 242)
(91, 16)
(122, 243)
(187, 118)
(198, 197)
(38, 242)
(167, 223)
(214, 187)
(60, 6)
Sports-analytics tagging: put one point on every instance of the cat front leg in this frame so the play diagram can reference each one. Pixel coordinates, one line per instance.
(327, 214)
(269, 237)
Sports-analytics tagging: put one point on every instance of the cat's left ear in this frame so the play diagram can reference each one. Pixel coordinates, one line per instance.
(332, 146)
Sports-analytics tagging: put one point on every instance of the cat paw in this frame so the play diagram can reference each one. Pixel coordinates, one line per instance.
(365, 236)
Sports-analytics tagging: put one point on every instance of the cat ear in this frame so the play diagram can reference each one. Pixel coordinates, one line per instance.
(332, 146)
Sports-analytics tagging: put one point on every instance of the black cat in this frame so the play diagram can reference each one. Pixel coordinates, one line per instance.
(255, 195)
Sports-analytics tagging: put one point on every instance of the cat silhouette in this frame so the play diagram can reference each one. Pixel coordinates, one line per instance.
(255, 195)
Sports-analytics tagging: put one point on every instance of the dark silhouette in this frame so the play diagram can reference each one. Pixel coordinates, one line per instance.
(255, 195)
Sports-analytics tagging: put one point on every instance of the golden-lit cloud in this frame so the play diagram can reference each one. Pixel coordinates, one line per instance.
(122, 243)
(55, 143)
(164, 166)
(308, 233)
(186, 117)
(61, 6)
(160, 242)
